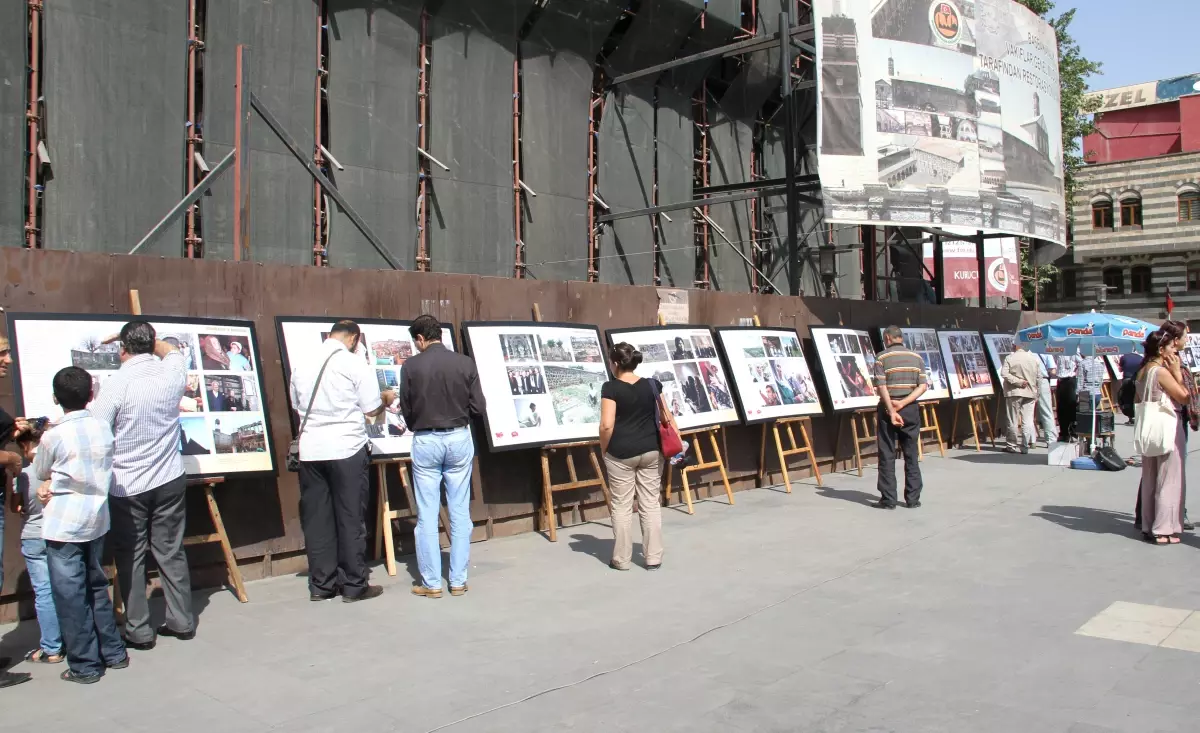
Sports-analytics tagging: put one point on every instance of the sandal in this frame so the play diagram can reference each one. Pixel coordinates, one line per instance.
(39, 656)
(1159, 539)
(69, 676)
(1173, 539)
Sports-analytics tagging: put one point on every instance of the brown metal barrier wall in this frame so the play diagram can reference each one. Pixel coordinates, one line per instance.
(261, 515)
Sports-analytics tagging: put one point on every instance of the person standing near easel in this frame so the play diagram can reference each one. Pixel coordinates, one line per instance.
(900, 380)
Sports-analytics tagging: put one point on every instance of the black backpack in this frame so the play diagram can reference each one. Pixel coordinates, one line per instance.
(1107, 458)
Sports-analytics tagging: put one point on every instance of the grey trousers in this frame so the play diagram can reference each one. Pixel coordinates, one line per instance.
(153, 520)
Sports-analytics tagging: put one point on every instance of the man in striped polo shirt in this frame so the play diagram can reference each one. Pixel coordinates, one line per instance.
(900, 381)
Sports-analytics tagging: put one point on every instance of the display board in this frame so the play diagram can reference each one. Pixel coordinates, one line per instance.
(684, 359)
(541, 380)
(940, 112)
(771, 378)
(1190, 355)
(385, 345)
(224, 427)
(847, 359)
(923, 341)
(966, 365)
(999, 346)
(1114, 367)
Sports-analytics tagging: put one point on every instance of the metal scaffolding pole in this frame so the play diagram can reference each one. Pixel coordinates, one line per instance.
(789, 152)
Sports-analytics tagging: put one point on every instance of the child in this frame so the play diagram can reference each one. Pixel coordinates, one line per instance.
(33, 547)
(75, 462)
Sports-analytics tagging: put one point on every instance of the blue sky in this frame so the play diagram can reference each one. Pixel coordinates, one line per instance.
(1135, 46)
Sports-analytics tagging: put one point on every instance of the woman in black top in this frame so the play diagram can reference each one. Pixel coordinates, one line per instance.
(629, 408)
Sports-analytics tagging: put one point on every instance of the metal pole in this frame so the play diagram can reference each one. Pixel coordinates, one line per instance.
(981, 262)
(187, 201)
(870, 266)
(190, 149)
(939, 270)
(35, 41)
(789, 152)
(241, 143)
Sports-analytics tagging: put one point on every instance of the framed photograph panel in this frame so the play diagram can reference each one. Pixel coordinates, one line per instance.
(924, 341)
(771, 378)
(999, 346)
(966, 364)
(541, 380)
(385, 345)
(223, 421)
(684, 359)
(847, 359)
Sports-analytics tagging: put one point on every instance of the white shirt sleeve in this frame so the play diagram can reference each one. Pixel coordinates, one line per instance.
(366, 386)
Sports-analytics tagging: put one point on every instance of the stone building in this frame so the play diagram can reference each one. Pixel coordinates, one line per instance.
(1137, 211)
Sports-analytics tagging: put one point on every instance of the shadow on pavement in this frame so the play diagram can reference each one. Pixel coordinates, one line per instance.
(1001, 457)
(1087, 519)
(600, 548)
(850, 495)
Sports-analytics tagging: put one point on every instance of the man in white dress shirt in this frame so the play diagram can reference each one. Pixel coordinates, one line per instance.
(334, 463)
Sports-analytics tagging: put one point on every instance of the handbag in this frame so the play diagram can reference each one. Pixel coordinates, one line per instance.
(293, 455)
(668, 438)
(1108, 459)
(1154, 422)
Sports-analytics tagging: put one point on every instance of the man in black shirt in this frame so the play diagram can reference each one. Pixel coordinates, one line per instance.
(439, 391)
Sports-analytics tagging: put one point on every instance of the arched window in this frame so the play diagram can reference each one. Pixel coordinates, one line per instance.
(1139, 280)
(1131, 210)
(1114, 280)
(1102, 213)
(1189, 205)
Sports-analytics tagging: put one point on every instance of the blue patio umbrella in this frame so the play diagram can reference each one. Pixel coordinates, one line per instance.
(1088, 334)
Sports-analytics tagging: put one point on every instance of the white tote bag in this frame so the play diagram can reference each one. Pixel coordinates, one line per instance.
(1155, 422)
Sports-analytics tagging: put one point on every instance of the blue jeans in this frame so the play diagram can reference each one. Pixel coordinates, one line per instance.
(439, 457)
(34, 551)
(85, 612)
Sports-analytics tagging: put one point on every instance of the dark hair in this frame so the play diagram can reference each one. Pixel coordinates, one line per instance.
(73, 387)
(1174, 329)
(137, 337)
(891, 333)
(349, 328)
(427, 327)
(1155, 341)
(37, 426)
(625, 357)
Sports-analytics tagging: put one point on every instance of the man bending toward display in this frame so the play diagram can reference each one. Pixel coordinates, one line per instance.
(439, 391)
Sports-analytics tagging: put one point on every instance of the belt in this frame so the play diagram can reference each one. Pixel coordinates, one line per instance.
(423, 431)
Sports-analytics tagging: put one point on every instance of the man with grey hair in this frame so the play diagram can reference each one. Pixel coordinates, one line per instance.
(900, 381)
(1020, 377)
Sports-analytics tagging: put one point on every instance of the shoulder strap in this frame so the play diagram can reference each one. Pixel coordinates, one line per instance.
(313, 398)
(1148, 387)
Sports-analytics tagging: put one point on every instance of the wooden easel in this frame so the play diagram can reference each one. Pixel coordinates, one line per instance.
(978, 412)
(573, 481)
(802, 448)
(861, 422)
(218, 535)
(929, 424)
(1106, 400)
(701, 464)
(385, 543)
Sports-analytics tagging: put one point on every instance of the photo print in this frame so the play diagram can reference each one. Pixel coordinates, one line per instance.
(549, 389)
(966, 365)
(924, 342)
(384, 345)
(43, 343)
(847, 360)
(770, 376)
(686, 361)
(230, 394)
(238, 434)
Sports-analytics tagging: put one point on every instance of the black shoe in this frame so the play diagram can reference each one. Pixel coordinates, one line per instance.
(165, 630)
(913, 504)
(372, 591)
(881, 504)
(322, 596)
(121, 664)
(141, 646)
(8, 679)
(654, 567)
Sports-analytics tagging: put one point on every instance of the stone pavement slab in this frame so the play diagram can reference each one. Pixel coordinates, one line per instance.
(808, 611)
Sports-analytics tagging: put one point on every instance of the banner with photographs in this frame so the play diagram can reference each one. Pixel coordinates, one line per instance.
(940, 112)
(541, 380)
(1190, 355)
(847, 360)
(770, 374)
(924, 342)
(385, 345)
(966, 364)
(224, 427)
(684, 359)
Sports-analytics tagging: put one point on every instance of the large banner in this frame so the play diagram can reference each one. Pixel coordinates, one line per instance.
(940, 112)
(385, 345)
(223, 423)
(962, 267)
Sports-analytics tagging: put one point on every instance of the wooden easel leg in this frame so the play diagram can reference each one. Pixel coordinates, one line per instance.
(385, 513)
(938, 432)
(687, 491)
(712, 436)
(837, 443)
(548, 499)
(787, 481)
(667, 488)
(595, 456)
(762, 454)
(235, 575)
(812, 456)
(857, 451)
(972, 409)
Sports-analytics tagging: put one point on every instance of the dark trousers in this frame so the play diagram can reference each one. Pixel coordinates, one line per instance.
(1068, 407)
(85, 614)
(153, 520)
(907, 436)
(333, 508)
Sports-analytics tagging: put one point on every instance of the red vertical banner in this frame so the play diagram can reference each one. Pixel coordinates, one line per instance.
(962, 268)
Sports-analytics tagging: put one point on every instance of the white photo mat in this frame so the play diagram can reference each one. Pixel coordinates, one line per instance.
(847, 359)
(924, 342)
(966, 364)
(771, 377)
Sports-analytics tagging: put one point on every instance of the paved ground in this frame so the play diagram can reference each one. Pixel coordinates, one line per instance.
(808, 612)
